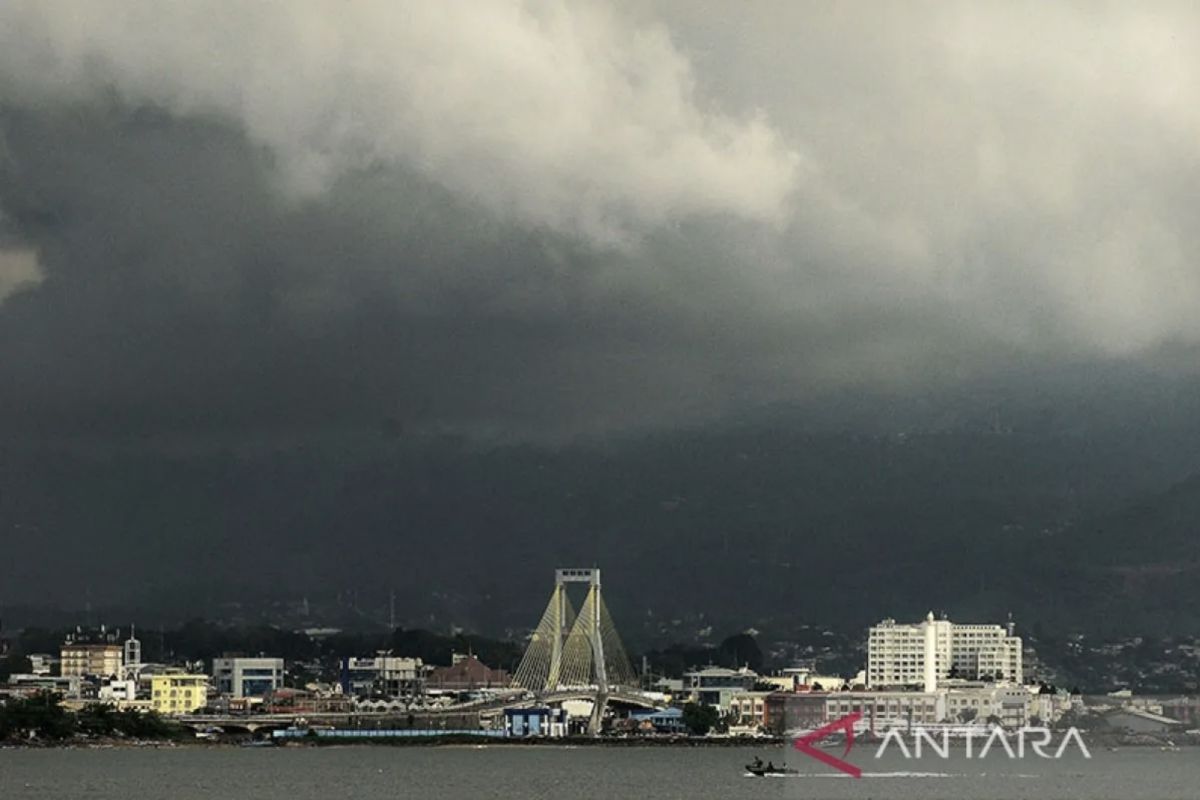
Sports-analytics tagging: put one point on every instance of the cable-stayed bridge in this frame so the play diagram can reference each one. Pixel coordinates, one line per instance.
(570, 656)
(575, 655)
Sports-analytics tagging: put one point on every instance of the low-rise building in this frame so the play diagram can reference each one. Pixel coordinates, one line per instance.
(663, 720)
(748, 709)
(1184, 709)
(522, 722)
(715, 686)
(303, 701)
(1011, 706)
(240, 677)
(122, 695)
(1135, 720)
(384, 675)
(794, 711)
(466, 672)
(115, 692)
(70, 687)
(178, 693)
(882, 710)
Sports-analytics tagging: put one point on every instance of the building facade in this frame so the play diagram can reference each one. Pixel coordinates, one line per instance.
(663, 720)
(716, 686)
(523, 722)
(21, 685)
(466, 672)
(794, 711)
(247, 677)
(929, 653)
(85, 654)
(748, 709)
(178, 693)
(383, 676)
(882, 710)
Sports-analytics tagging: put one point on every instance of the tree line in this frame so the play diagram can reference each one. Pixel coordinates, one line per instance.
(40, 717)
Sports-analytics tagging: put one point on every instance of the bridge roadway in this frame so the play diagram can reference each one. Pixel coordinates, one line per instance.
(360, 719)
(618, 696)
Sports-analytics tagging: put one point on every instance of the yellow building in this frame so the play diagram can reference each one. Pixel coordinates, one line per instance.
(178, 694)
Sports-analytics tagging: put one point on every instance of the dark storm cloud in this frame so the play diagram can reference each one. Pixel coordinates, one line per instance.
(547, 218)
(180, 290)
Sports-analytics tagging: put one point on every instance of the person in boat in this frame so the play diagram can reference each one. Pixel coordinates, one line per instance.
(770, 766)
(757, 763)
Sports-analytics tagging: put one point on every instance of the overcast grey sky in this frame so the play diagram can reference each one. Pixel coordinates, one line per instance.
(578, 216)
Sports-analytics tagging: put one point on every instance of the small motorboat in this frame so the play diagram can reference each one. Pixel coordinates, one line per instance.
(758, 769)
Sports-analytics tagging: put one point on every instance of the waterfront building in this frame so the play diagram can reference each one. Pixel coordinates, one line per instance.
(1010, 705)
(178, 693)
(91, 654)
(522, 722)
(715, 686)
(665, 720)
(932, 652)
(240, 677)
(384, 675)
(794, 711)
(1184, 709)
(1133, 720)
(748, 709)
(882, 710)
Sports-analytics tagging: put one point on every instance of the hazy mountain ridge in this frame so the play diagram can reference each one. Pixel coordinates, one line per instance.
(751, 521)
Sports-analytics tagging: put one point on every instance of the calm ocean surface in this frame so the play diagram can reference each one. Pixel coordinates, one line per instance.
(365, 773)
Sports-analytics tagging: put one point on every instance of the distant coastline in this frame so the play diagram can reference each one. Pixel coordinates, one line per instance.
(1093, 739)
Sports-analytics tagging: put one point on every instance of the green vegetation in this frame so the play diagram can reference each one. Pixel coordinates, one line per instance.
(739, 650)
(41, 718)
(13, 664)
(699, 719)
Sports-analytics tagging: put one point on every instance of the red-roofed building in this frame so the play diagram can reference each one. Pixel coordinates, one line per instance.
(467, 672)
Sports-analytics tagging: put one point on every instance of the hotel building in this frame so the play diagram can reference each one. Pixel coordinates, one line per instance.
(927, 653)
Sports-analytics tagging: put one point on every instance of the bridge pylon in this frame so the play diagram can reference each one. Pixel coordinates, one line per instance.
(571, 651)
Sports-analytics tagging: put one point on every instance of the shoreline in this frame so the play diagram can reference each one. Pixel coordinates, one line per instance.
(1101, 741)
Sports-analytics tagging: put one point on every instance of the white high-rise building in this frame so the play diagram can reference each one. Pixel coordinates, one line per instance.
(923, 654)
